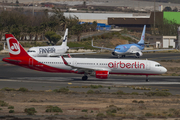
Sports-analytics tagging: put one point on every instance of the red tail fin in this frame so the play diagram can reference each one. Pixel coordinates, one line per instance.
(15, 48)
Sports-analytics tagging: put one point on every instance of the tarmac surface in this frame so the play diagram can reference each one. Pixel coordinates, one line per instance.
(15, 77)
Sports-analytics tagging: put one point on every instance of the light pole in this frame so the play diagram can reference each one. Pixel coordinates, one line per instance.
(154, 15)
(33, 8)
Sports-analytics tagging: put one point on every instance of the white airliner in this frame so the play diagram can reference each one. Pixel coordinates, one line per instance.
(52, 51)
(49, 51)
(100, 68)
(126, 49)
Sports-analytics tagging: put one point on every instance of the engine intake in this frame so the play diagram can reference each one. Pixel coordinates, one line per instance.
(138, 54)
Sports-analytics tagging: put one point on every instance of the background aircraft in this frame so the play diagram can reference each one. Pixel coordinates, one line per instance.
(52, 51)
(49, 51)
(100, 68)
(125, 49)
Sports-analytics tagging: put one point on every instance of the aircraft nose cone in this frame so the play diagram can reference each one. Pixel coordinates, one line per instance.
(164, 70)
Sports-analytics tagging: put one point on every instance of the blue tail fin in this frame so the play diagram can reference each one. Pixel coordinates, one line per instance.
(142, 36)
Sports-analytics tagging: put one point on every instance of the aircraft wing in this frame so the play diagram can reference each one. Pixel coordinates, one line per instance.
(80, 53)
(101, 47)
(84, 68)
(156, 50)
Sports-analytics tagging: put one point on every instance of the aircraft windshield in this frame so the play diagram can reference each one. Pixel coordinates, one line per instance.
(117, 48)
(158, 65)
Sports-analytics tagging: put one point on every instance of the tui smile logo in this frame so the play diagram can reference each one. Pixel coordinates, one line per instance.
(13, 46)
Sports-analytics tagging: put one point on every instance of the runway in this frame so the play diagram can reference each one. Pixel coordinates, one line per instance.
(14, 76)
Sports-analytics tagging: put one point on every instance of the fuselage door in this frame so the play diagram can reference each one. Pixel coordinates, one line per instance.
(31, 62)
(75, 63)
(148, 65)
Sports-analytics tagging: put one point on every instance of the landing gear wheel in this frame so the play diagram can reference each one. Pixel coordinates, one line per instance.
(84, 77)
(147, 80)
(123, 56)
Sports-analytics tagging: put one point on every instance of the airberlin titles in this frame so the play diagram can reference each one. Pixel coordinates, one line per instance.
(120, 64)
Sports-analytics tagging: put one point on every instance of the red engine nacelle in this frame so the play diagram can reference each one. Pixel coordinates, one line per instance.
(102, 74)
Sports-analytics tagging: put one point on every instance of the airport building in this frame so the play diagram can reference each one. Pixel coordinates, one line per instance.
(133, 21)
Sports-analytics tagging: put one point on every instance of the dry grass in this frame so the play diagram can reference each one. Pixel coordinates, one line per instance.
(111, 105)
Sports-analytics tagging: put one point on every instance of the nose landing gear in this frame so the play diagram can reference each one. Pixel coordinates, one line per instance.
(85, 77)
(147, 79)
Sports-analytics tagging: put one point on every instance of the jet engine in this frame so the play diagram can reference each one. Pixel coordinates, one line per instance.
(113, 54)
(138, 54)
(101, 74)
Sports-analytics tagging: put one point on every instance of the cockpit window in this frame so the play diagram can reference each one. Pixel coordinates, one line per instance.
(117, 48)
(158, 65)
(31, 51)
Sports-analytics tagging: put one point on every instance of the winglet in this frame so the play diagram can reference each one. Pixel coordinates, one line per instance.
(4, 46)
(92, 42)
(69, 56)
(65, 62)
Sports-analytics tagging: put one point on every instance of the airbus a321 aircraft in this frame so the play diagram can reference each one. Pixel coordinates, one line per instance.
(126, 49)
(100, 68)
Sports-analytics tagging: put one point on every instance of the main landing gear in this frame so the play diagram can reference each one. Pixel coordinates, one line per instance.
(85, 77)
(121, 56)
(147, 79)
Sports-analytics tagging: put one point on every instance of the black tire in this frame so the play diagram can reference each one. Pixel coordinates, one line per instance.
(84, 77)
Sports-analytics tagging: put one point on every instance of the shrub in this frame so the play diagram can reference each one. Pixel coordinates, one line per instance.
(53, 109)
(134, 101)
(96, 86)
(11, 111)
(84, 110)
(119, 92)
(90, 92)
(141, 101)
(134, 93)
(33, 100)
(109, 114)
(111, 111)
(109, 87)
(2, 103)
(158, 93)
(0, 108)
(8, 89)
(30, 111)
(62, 90)
(148, 114)
(22, 89)
(11, 107)
(100, 115)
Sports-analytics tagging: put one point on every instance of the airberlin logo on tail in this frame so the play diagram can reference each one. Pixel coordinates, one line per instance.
(13, 46)
(120, 64)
